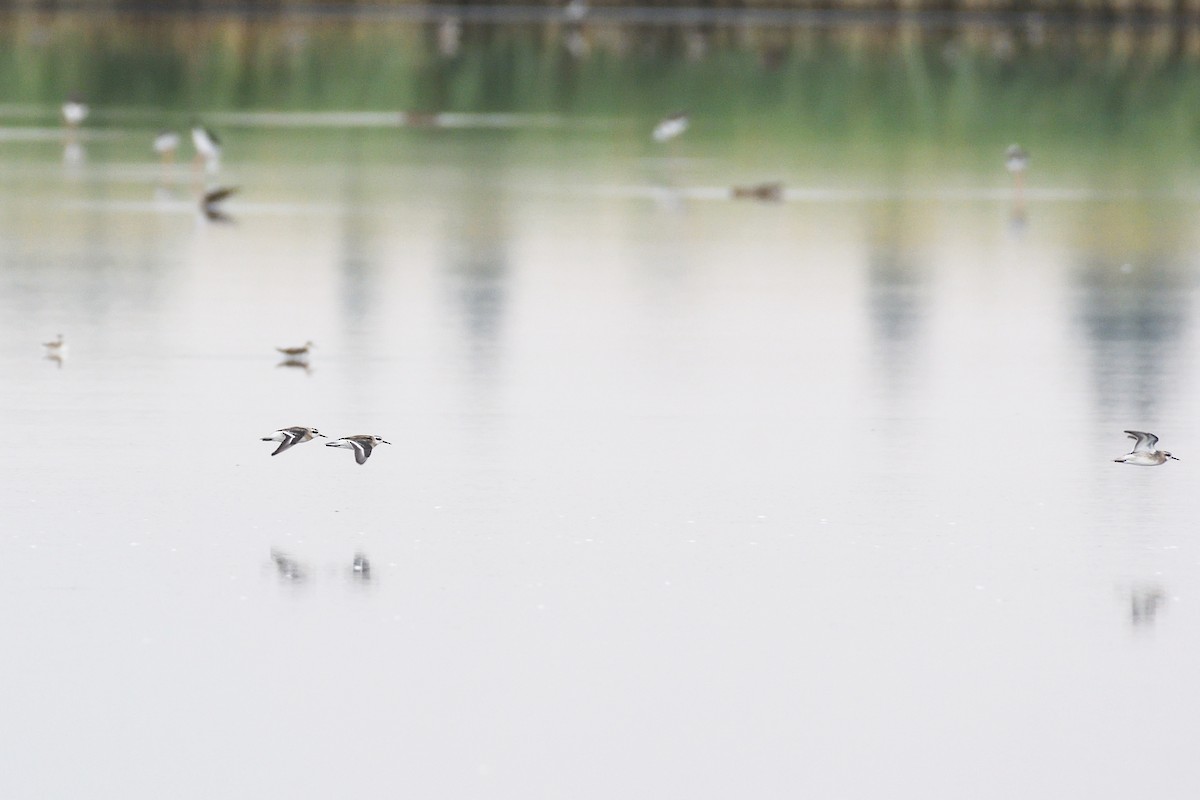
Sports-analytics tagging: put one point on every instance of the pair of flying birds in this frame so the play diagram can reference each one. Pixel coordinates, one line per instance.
(362, 444)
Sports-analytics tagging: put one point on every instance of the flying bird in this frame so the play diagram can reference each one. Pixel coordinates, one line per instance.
(290, 437)
(362, 445)
(1143, 453)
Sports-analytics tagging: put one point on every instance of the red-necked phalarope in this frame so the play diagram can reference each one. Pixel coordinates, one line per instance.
(362, 445)
(294, 352)
(1143, 453)
(290, 437)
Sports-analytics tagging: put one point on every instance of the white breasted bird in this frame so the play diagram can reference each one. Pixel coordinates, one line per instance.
(1143, 453)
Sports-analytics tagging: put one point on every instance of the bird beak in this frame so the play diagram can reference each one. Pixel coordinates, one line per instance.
(1174, 458)
(323, 436)
(385, 441)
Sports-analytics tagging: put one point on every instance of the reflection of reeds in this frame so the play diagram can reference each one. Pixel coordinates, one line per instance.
(883, 83)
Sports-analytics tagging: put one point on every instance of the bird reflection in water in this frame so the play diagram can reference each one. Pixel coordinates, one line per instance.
(288, 568)
(1016, 161)
(296, 363)
(1144, 604)
(360, 568)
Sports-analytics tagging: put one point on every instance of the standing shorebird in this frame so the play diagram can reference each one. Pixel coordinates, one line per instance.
(361, 567)
(1016, 160)
(297, 352)
(362, 445)
(165, 144)
(74, 111)
(671, 126)
(208, 147)
(1143, 453)
(290, 437)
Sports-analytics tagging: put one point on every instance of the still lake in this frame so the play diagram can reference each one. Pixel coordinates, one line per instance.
(688, 497)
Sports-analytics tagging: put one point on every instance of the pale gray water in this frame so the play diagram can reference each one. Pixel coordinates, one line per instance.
(688, 497)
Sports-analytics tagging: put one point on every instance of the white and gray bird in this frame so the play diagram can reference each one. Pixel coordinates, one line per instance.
(290, 437)
(208, 147)
(361, 444)
(165, 144)
(1143, 453)
(74, 111)
(671, 126)
(1016, 160)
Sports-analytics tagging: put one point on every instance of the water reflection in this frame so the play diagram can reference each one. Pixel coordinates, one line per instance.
(296, 363)
(897, 297)
(1145, 602)
(1135, 316)
(477, 272)
(360, 568)
(288, 568)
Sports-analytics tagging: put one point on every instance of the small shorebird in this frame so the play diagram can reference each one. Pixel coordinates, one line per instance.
(208, 147)
(1016, 160)
(74, 111)
(1143, 453)
(210, 203)
(362, 445)
(56, 350)
(670, 127)
(165, 144)
(361, 567)
(297, 352)
(290, 437)
(767, 192)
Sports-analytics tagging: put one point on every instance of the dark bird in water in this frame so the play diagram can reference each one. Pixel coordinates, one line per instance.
(766, 192)
(210, 203)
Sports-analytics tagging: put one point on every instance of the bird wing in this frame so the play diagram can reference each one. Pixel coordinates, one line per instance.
(291, 437)
(362, 451)
(219, 194)
(1142, 441)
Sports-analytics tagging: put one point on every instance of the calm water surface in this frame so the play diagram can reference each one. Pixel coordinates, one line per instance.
(689, 497)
